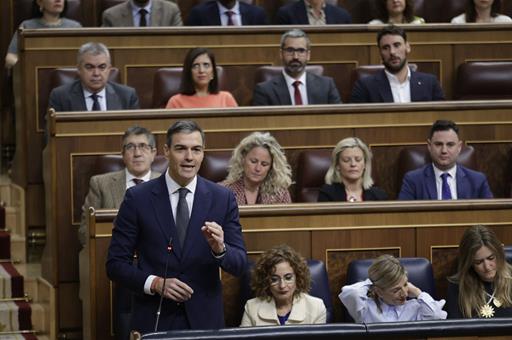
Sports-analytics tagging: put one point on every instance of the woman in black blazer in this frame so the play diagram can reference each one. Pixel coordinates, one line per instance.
(349, 176)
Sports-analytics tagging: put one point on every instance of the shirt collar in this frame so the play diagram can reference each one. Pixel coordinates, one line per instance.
(438, 172)
(130, 176)
(393, 79)
(87, 93)
(136, 9)
(289, 80)
(308, 5)
(235, 9)
(172, 186)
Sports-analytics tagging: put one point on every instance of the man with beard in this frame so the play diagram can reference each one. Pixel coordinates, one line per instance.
(142, 13)
(396, 82)
(296, 86)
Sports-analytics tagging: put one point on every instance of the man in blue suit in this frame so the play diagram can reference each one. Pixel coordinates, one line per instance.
(183, 228)
(444, 179)
(312, 12)
(226, 13)
(396, 82)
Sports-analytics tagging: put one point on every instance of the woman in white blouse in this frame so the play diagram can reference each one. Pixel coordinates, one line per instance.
(387, 296)
(482, 11)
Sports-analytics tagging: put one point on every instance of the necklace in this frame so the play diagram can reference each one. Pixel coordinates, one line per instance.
(487, 311)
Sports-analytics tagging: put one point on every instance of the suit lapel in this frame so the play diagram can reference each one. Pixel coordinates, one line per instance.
(302, 15)
(77, 97)
(281, 90)
(118, 186)
(156, 14)
(384, 87)
(126, 15)
(214, 20)
(113, 102)
(161, 204)
(200, 209)
(415, 85)
(430, 180)
(311, 87)
(462, 183)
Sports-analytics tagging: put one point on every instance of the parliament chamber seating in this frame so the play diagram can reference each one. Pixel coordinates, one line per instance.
(364, 71)
(419, 272)
(416, 156)
(312, 165)
(442, 10)
(167, 82)
(215, 165)
(264, 73)
(319, 286)
(484, 80)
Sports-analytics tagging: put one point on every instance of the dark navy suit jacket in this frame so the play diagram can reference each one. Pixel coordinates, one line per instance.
(296, 14)
(145, 224)
(207, 14)
(70, 97)
(376, 89)
(420, 184)
(320, 90)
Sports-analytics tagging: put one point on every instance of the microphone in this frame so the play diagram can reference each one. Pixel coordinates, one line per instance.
(169, 251)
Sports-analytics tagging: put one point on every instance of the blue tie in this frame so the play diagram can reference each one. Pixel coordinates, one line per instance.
(446, 192)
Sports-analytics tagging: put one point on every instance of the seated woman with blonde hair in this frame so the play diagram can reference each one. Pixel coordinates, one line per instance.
(200, 84)
(281, 282)
(349, 177)
(395, 12)
(259, 172)
(387, 296)
(482, 286)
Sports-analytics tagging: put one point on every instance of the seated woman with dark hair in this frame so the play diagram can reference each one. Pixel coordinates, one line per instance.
(349, 177)
(482, 286)
(45, 14)
(259, 172)
(387, 296)
(395, 12)
(482, 11)
(281, 282)
(199, 83)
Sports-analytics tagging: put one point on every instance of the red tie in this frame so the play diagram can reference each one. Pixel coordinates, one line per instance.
(298, 97)
(230, 18)
(138, 181)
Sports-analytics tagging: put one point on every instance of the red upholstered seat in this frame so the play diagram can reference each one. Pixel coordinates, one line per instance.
(311, 169)
(484, 80)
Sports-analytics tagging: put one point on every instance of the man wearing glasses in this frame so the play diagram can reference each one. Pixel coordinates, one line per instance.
(106, 191)
(296, 86)
(93, 91)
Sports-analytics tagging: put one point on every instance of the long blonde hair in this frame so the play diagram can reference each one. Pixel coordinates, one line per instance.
(471, 288)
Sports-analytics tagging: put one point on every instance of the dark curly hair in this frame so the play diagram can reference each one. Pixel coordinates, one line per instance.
(381, 11)
(471, 10)
(265, 268)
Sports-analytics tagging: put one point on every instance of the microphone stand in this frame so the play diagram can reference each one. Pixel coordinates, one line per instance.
(169, 250)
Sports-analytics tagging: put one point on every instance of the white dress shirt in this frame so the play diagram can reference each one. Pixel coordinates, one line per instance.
(129, 178)
(236, 16)
(401, 91)
(101, 99)
(302, 87)
(364, 309)
(136, 14)
(452, 181)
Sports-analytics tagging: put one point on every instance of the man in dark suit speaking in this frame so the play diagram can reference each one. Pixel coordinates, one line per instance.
(295, 86)
(92, 91)
(396, 83)
(187, 222)
(444, 179)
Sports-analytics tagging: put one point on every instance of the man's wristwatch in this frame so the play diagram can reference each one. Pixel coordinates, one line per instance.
(221, 253)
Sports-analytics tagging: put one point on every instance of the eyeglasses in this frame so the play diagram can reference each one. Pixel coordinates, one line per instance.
(141, 146)
(292, 51)
(286, 279)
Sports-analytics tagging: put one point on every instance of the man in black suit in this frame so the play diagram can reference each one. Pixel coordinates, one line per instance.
(295, 86)
(226, 13)
(397, 82)
(92, 91)
(312, 12)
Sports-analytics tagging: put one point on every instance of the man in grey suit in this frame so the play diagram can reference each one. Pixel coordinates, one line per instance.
(141, 13)
(92, 91)
(296, 86)
(106, 191)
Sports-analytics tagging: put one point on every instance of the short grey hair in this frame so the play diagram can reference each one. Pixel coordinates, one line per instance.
(333, 174)
(138, 131)
(94, 48)
(295, 33)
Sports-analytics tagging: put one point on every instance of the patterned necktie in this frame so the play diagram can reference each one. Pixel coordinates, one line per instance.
(95, 103)
(137, 181)
(142, 20)
(230, 18)
(446, 193)
(182, 216)
(296, 94)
